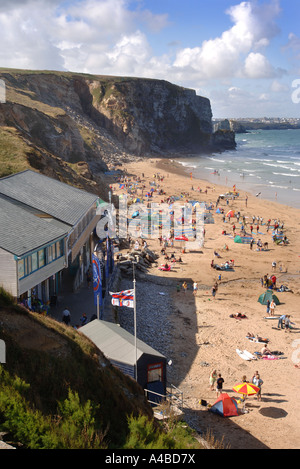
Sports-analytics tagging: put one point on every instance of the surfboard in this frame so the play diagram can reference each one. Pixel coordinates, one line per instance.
(271, 317)
(249, 355)
(242, 355)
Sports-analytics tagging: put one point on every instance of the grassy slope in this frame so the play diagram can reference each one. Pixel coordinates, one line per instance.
(53, 359)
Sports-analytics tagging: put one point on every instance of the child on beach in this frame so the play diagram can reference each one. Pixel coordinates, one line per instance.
(220, 382)
(212, 379)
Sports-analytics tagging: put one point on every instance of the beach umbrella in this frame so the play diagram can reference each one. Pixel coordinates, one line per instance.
(230, 213)
(181, 238)
(248, 389)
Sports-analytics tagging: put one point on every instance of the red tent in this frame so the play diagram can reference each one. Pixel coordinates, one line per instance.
(225, 406)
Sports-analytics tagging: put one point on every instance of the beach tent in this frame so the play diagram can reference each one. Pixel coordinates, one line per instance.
(218, 210)
(230, 213)
(225, 406)
(242, 239)
(268, 295)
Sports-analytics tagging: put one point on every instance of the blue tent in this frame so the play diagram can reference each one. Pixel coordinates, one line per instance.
(225, 406)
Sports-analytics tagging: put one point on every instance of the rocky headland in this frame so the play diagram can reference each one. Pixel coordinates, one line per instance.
(76, 127)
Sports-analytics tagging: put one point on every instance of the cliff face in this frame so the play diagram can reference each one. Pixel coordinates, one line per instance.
(151, 115)
(93, 121)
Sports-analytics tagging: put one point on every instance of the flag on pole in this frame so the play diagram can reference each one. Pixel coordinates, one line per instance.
(123, 298)
(97, 280)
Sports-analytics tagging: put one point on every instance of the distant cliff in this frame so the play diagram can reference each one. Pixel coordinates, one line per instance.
(244, 125)
(84, 123)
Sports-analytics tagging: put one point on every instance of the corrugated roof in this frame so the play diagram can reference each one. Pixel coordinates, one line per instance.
(64, 202)
(21, 231)
(115, 342)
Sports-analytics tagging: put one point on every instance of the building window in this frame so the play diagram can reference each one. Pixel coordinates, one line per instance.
(51, 253)
(155, 372)
(40, 258)
(21, 271)
(41, 254)
(34, 261)
(28, 268)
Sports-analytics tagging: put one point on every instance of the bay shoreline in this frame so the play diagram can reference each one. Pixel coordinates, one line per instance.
(204, 337)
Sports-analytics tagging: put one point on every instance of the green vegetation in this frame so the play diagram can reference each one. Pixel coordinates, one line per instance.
(13, 152)
(58, 391)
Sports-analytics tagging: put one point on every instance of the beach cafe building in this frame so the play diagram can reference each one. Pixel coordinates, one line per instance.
(46, 229)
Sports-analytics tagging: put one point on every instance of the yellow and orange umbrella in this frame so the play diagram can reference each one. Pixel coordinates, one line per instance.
(248, 389)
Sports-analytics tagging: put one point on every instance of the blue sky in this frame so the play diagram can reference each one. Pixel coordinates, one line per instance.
(243, 55)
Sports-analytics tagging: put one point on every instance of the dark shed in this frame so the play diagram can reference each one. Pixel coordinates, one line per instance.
(118, 345)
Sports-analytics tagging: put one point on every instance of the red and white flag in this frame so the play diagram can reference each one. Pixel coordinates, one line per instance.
(123, 298)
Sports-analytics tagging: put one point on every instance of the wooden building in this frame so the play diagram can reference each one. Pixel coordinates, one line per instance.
(46, 226)
(118, 345)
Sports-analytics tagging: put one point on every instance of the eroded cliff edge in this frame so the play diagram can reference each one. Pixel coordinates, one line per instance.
(82, 123)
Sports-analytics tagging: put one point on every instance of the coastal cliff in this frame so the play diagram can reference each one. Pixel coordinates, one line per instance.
(66, 123)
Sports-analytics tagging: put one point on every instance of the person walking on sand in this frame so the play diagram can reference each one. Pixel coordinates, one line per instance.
(272, 307)
(257, 381)
(195, 288)
(66, 316)
(220, 382)
(184, 286)
(213, 379)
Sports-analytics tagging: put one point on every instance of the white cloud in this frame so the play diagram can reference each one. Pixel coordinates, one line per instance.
(110, 37)
(258, 66)
(254, 27)
(278, 87)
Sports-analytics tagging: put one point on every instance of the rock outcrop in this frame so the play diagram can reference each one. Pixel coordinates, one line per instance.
(99, 121)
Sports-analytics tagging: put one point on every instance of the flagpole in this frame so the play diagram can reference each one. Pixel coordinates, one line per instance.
(134, 315)
(98, 316)
(134, 312)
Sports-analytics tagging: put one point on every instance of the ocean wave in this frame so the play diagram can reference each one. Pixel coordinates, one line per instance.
(290, 175)
(280, 187)
(277, 165)
(217, 159)
(189, 165)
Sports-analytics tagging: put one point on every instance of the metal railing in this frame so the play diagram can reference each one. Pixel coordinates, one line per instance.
(173, 397)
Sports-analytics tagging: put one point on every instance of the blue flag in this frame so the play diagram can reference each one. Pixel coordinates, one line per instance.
(97, 280)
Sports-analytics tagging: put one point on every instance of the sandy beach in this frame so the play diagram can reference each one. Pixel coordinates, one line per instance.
(205, 337)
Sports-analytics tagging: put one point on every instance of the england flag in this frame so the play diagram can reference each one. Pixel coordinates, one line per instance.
(123, 298)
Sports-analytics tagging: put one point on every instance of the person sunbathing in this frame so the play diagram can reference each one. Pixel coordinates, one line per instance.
(265, 351)
(257, 338)
(238, 316)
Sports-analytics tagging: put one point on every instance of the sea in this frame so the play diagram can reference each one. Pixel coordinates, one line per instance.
(265, 163)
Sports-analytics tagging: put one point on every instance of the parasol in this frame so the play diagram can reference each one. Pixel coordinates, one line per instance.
(181, 238)
(247, 389)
